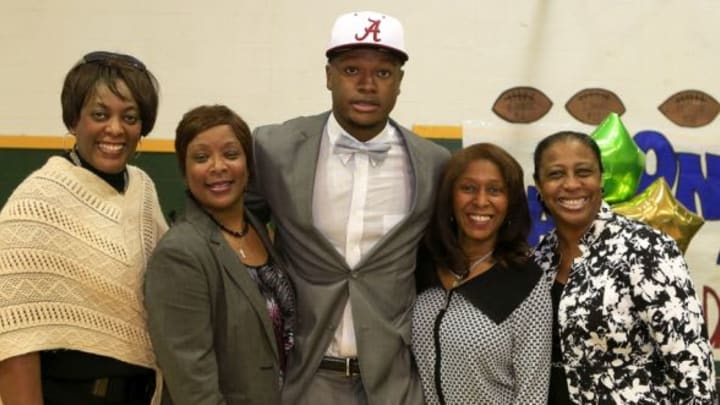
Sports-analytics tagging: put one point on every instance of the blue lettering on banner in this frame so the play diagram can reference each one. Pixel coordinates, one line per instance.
(691, 181)
(665, 156)
(541, 223)
(686, 170)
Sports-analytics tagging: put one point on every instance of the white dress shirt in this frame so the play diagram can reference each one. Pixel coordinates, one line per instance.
(355, 203)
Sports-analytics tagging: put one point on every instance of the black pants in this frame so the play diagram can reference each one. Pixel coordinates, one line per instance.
(77, 378)
(118, 391)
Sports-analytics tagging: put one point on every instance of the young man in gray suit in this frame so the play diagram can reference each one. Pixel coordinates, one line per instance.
(350, 193)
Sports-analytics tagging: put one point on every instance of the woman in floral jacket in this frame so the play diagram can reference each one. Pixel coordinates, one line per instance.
(628, 327)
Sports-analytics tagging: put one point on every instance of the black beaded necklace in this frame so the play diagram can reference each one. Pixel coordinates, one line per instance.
(229, 231)
(239, 235)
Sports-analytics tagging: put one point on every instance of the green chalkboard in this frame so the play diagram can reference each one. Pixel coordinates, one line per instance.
(160, 166)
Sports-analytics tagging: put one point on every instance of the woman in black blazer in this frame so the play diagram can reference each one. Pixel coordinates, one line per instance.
(220, 308)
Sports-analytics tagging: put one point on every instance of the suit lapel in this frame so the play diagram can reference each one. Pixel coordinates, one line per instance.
(303, 180)
(303, 175)
(419, 180)
(420, 176)
(237, 273)
(233, 267)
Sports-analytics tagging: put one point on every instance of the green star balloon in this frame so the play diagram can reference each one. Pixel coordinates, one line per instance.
(623, 161)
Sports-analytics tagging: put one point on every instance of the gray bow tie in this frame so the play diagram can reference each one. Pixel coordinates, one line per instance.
(377, 152)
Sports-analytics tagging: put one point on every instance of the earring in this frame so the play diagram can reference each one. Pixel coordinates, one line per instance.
(539, 198)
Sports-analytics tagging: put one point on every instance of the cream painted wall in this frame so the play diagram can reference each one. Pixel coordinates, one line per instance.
(265, 59)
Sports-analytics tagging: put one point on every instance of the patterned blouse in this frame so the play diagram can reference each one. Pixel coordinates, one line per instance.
(486, 341)
(631, 326)
(279, 297)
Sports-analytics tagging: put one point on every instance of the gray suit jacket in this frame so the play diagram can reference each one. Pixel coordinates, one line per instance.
(381, 287)
(208, 321)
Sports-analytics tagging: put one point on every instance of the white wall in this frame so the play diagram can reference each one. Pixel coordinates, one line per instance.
(266, 59)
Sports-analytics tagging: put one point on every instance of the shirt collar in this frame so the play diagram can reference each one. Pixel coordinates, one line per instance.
(604, 217)
(334, 131)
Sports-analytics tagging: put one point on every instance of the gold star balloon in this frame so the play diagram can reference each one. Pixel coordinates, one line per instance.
(623, 161)
(657, 207)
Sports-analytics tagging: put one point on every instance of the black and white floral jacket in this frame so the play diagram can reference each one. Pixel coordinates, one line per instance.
(631, 325)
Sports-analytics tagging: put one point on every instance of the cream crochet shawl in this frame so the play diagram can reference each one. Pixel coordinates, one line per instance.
(72, 258)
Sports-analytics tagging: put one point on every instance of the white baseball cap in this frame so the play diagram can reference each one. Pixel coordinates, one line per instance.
(367, 28)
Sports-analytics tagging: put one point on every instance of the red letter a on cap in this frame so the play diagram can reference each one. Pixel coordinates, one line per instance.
(373, 28)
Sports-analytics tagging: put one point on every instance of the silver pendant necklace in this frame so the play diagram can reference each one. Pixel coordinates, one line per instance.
(459, 278)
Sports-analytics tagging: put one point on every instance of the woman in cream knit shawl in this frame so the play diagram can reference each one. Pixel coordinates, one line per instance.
(74, 240)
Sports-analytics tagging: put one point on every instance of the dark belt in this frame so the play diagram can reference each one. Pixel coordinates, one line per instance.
(347, 365)
(120, 389)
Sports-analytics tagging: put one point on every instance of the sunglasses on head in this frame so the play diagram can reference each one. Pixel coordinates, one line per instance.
(109, 58)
